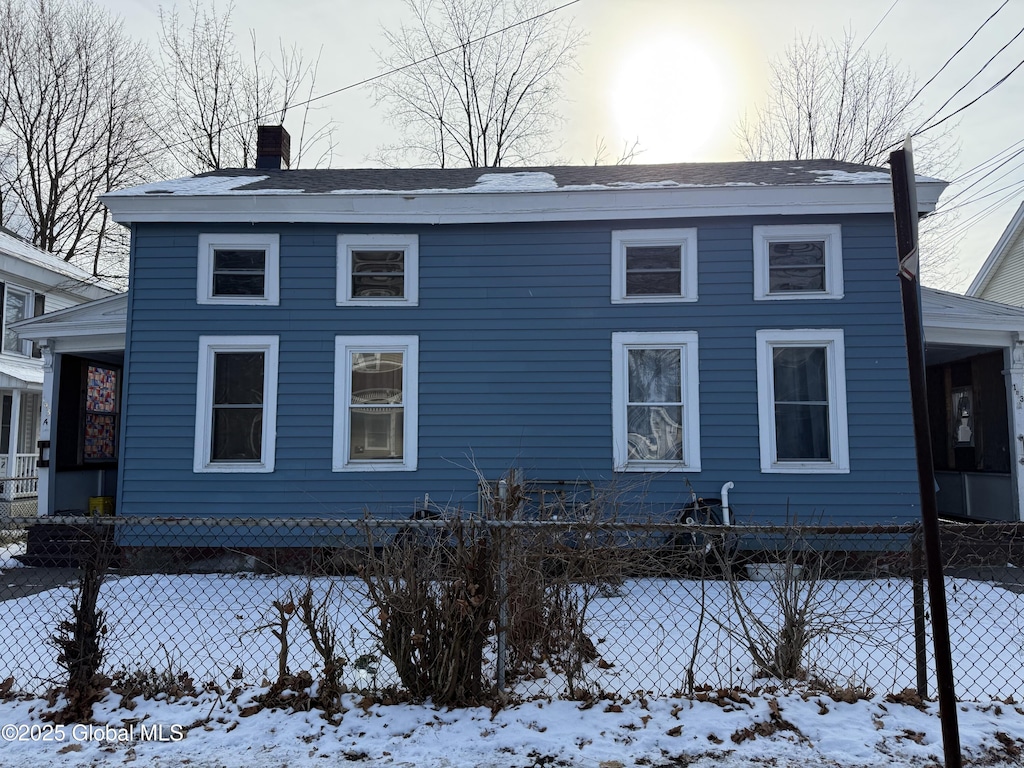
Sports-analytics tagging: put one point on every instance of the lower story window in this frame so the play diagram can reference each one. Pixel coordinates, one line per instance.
(802, 401)
(236, 404)
(375, 407)
(655, 402)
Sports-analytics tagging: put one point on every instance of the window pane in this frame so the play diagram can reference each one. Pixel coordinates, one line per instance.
(801, 432)
(235, 261)
(376, 433)
(238, 378)
(15, 309)
(796, 267)
(801, 374)
(239, 273)
(655, 376)
(237, 285)
(100, 437)
(101, 390)
(377, 377)
(653, 270)
(237, 434)
(654, 433)
(378, 273)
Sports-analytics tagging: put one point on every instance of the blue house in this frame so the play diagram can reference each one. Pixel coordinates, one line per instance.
(329, 342)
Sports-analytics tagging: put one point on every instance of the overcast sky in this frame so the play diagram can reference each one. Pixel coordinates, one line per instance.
(636, 80)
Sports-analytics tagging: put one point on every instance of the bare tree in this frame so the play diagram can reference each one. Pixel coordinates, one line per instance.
(73, 108)
(212, 96)
(833, 100)
(477, 83)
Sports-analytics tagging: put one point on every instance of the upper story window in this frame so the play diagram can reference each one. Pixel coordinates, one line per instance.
(654, 265)
(239, 269)
(801, 385)
(236, 404)
(798, 262)
(655, 403)
(375, 403)
(19, 304)
(378, 270)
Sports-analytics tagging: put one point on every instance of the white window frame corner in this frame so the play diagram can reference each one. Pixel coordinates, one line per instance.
(409, 243)
(269, 242)
(831, 234)
(684, 237)
(689, 344)
(832, 339)
(208, 347)
(342, 433)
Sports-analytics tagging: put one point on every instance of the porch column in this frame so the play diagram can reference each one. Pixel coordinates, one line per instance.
(44, 481)
(1015, 397)
(12, 449)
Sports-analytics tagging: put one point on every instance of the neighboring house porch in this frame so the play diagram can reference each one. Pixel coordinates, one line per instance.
(21, 384)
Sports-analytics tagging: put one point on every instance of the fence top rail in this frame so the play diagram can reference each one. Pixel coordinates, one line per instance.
(370, 523)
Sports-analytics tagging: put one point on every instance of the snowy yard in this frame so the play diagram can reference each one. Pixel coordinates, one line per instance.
(217, 629)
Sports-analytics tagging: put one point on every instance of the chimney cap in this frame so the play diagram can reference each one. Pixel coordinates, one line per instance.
(273, 147)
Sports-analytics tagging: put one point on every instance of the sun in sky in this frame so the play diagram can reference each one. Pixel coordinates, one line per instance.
(669, 91)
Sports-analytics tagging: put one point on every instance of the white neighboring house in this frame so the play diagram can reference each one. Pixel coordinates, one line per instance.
(32, 281)
(1001, 277)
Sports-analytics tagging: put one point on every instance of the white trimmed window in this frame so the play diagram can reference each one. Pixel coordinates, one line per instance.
(378, 270)
(655, 402)
(798, 262)
(375, 403)
(240, 269)
(654, 265)
(236, 404)
(801, 388)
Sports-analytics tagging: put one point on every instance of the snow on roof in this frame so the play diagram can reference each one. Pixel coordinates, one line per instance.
(423, 181)
(21, 249)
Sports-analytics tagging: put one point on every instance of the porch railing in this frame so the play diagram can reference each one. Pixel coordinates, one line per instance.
(23, 481)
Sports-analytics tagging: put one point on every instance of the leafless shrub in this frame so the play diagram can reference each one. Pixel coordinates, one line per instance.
(79, 640)
(435, 609)
(171, 682)
(315, 617)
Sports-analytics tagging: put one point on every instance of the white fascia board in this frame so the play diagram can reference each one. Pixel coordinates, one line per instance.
(968, 337)
(42, 279)
(988, 269)
(474, 208)
(105, 342)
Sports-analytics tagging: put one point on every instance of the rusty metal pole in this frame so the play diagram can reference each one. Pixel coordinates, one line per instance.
(904, 192)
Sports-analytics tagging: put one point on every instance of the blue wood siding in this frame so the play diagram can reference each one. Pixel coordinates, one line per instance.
(514, 324)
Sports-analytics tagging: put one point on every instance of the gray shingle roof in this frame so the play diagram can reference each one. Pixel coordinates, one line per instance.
(771, 173)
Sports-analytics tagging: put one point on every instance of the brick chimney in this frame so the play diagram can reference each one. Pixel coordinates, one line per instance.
(273, 147)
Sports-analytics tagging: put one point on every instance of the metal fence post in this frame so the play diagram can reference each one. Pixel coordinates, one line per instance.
(920, 639)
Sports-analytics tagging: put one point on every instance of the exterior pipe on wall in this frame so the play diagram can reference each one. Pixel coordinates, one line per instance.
(725, 502)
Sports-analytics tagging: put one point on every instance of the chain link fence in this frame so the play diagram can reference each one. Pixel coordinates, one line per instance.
(467, 610)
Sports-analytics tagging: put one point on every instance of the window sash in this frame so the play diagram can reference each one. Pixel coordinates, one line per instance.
(239, 272)
(376, 408)
(802, 401)
(236, 404)
(16, 304)
(655, 401)
(654, 266)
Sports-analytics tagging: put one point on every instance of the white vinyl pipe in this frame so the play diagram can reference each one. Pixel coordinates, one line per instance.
(725, 502)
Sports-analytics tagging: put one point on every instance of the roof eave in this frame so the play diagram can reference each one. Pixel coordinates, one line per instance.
(479, 207)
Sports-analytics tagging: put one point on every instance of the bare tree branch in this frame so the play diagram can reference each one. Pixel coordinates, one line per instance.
(475, 87)
(833, 100)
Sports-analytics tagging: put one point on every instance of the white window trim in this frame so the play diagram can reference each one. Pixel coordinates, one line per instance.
(344, 346)
(208, 347)
(269, 243)
(30, 300)
(835, 356)
(686, 341)
(686, 239)
(407, 243)
(798, 233)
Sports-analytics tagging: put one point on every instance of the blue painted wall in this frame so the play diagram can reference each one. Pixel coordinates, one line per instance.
(515, 325)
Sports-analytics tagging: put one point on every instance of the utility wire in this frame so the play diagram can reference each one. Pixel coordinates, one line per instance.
(956, 53)
(388, 73)
(879, 23)
(972, 102)
(959, 90)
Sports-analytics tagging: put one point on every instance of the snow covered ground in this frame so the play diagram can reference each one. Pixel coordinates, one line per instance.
(215, 628)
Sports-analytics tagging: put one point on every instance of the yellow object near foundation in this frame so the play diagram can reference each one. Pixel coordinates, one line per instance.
(101, 505)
